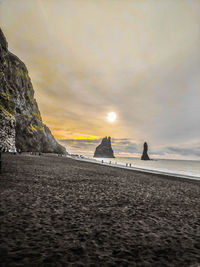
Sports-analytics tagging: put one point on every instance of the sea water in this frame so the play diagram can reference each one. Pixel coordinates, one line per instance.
(183, 168)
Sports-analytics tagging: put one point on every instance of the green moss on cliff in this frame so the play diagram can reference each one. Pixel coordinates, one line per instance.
(18, 72)
(5, 112)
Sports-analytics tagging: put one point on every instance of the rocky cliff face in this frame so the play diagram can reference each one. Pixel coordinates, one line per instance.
(104, 150)
(7, 132)
(23, 125)
(145, 154)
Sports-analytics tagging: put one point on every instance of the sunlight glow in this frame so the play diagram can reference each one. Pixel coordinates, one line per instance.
(111, 117)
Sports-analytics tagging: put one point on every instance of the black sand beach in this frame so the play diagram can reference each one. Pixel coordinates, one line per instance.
(55, 211)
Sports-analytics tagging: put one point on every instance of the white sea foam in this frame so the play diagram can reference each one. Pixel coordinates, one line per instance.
(182, 168)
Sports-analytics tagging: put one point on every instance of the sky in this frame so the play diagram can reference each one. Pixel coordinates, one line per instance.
(139, 59)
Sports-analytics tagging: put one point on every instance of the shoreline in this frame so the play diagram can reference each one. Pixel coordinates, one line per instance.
(120, 166)
(141, 170)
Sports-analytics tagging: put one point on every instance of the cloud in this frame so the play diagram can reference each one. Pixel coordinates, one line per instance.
(87, 146)
(191, 151)
(127, 147)
(86, 58)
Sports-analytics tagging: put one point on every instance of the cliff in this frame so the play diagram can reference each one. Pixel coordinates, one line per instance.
(21, 123)
(104, 150)
(145, 154)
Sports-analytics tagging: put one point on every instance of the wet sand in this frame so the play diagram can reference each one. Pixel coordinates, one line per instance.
(56, 211)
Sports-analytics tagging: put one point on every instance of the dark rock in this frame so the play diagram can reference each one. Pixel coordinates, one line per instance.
(104, 150)
(18, 108)
(145, 155)
(78, 250)
(7, 132)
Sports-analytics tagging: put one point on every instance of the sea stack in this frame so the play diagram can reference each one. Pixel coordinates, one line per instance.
(21, 125)
(144, 154)
(104, 150)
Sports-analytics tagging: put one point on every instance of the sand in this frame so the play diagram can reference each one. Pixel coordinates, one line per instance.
(55, 211)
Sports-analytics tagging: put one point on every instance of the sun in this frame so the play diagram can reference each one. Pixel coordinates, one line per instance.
(111, 117)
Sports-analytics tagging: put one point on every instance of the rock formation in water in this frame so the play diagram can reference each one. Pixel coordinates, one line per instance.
(104, 150)
(144, 154)
(21, 125)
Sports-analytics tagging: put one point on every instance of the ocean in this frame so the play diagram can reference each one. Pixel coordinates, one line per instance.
(182, 168)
